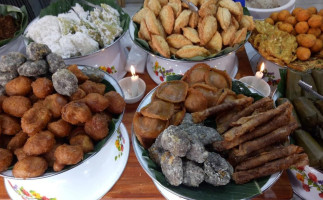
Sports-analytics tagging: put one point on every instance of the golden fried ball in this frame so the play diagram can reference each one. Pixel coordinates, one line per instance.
(306, 40)
(42, 87)
(68, 154)
(30, 167)
(314, 31)
(303, 15)
(270, 21)
(117, 103)
(39, 143)
(312, 10)
(286, 27)
(55, 103)
(303, 53)
(60, 128)
(76, 112)
(315, 21)
(97, 127)
(282, 15)
(291, 20)
(301, 27)
(16, 105)
(317, 46)
(274, 16)
(6, 158)
(96, 102)
(296, 10)
(20, 86)
(35, 119)
(84, 141)
(92, 87)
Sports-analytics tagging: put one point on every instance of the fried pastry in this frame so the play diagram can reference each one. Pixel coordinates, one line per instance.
(42, 87)
(196, 74)
(228, 35)
(140, 15)
(151, 22)
(81, 77)
(172, 51)
(60, 128)
(155, 6)
(55, 103)
(208, 7)
(178, 41)
(18, 86)
(215, 44)
(17, 141)
(194, 19)
(182, 20)
(247, 22)
(207, 28)
(92, 87)
(76, 112)
(190, 51)
(172, 91)
(96, 102)
(16, 105)
(163, 2)
(231, 6)
(208, 92)
(218, 79)
(178, 116)
(158, 109)
(195, 101)
(97, 127)
(35, 119)
(161, 29)
(117, 103)
(6, 158)
(9, 125)
(177, 6)
(191, 34)
(223, 16)
(239, 36)
(39, 143)
(167, 18)
(161, 45)
(29, 167)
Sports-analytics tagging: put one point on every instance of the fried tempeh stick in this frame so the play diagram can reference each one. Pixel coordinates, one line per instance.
(202, 115)
(255, 121)
(277, 135)
(269, 168)
(269, 156)
(277, 122)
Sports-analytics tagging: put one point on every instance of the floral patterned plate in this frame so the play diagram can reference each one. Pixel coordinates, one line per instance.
(307, 182)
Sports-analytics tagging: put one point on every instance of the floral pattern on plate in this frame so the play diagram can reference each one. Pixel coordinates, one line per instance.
(119, 143)
(161, 72)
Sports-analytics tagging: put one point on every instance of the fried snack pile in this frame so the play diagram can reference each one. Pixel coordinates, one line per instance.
(171, 28)
(41, 128)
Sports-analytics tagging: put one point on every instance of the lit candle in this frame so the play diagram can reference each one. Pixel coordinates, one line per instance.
(260, 73)
(134, 82)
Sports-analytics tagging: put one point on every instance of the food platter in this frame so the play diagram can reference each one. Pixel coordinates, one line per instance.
(91, 180)
(206, 191)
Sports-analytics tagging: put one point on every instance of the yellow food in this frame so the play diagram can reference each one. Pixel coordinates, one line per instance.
(303, 53)
(301, 27)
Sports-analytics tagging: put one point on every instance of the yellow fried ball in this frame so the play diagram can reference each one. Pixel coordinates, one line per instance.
(315, 21)
(270, 21)
(286, 27)
(317, 46)
(301, 27)
(282, 15)
(312, 10)
(306, 40)
(291, 20)
(303, 53)
(274, 16)
(303, 15)
(314, 31)
(296, 10)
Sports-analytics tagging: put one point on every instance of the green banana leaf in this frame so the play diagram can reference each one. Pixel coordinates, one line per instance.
(144, 44)
(21, 16)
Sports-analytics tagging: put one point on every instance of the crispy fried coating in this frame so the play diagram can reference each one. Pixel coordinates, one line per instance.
(9, 125)
(209, 92)
(151, 21)
(218, 79)
(79, 94)
(16, 105)
(196, 74)
(84, 141)
(97, 127)
(178, 41)
(191, 34)
(190, 51)
(178, 116)
(140, 15)
(223, 16)
(176, 6)
(207, 29)
(49, 156)
(143, 31)
(182, 20)
(17, 141)
(76, 112)
(96, 102)
(301, 27)
(247, 22)
(172, 91)
(161, 29)
(315, 21)
(303, 15)
(167, 18)
(228, 35)
(39, 143)
(158, 109)
(303, 53)
(42, 87)
(314, 31)
(19, 86)
(60, 128)
(282, 15)
(290, 20)
(195, 101)
(30, 167)
(208, 7)
(92, 87)
(117, 103)
(306, 40)
(318, 46)
(239, 36)
(194, 19)
(68, 154)
(154, 6)
(231, 6)
(6, 158)
(55, 103)
(215, 44)
(20, 154)
(161, 45)
(35, 119)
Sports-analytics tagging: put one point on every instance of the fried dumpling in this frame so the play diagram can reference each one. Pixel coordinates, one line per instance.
(208, 92)
(218, 78)
(158, 109)
(196, 74)
(172, 91)
(195, 101)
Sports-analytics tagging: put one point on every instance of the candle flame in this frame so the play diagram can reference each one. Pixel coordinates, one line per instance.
(262, 67)
(132, 69)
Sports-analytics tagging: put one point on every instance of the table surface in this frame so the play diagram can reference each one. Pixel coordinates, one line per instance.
(136, 184)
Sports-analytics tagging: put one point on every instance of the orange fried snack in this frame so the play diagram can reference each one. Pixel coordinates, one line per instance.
(39, 143)
(196, 74)
(34, 120)
(60, 128)
(68, 154)
(17, 141)
(55, 103)
(195, 101)
(92, 87)
(81, 77)
(29, 167)
(172, 91)
(76, 112)
(97, 127)
(218, 79)
(6, 158)
(18, 86)
(16, 105)
(42, 87)
(117, 103)
(84, 141)
(9, 125)
(96, 102)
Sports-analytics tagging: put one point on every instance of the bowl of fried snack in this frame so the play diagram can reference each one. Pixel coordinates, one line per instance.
(83, 34)
(55, 119)
(176, 37)
(213, 136)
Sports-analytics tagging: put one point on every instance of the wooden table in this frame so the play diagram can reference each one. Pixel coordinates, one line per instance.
(136, 184)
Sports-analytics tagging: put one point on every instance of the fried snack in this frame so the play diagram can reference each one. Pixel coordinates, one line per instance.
(81, 77)
(278, 135)
(161, 29)
(155, 6)
(270, 21)
(39, 143)
(306, 40)
(178, 116)
(30, 167)
(178, 41)
(269, 168)
(318, 46)
(140, 15)
(161, 45)
(49, 156)
(167, 18)
(218, 79)
(79, 94)
(76, 112)
(247, 22)
(207, 28)
(210, 93)
(147, 129)
(208, 7)
(182, 20)
(143, 31)
(202, 115)
(223, 16)
(9, 125)
(84, 141)
(19, 86)
(172, 91)
(55, 103)
(312, 10)
(303, 53)
(176, 6)
(60, 128)
(314, 31)
(97, 127)
(290, 20)
(282, 15)
(2, 98)
(34, 120)
(68, 154)
(196, 74)
(92, 87)
(20, 154)
(17, 141)
(228, 35)
(195, 101)
(6, 158)
(16, 105)
(158, 109)
(191, 34)
(303, 15)
(254, 121)
(117, 103)
(315, 21)
(193, 21)
(96, 102)
(231, 6)
(301, 27)
(265, 157)
(151, 22)
(191, 51)
(286, 27)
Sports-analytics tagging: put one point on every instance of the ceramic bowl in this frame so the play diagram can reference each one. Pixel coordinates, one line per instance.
(125, 85)
(259, 13)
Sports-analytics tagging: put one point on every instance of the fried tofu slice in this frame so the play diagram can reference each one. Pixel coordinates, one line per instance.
(207, 28)
(194, 19)
(151, 22)
(160, 45)
(208, 7)
(167, 18)
(191, 34)
(140, 15)
(178, 41)
(223, 16)
(215, 44)
(191, 51)
(155, 6)
(241, 11)
(182, 20)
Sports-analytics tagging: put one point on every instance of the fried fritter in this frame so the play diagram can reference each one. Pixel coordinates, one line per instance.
(35, 119)
(195, 101)
(6, 158)
(172, 91)
(117, 103)
(76, 112)
(158, 109)
(42, 87)
(55, 103)
(9, 125)
(39, 143)
(68, 154)
(96, 102)
(97, 127)
(92, 87)
(178, 41)
(84, 141)
(81, 77)
(20, 86)
(167, 18)
(16, 105)
(30, 167)
(79, 94)
(17, 141)
(60, 128)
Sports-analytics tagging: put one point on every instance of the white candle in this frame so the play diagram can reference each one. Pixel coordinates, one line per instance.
(260, 73)
(134, 82)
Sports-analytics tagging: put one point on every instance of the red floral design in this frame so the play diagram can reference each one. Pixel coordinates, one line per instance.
(306, 187)
(312, 177)
(321, 195)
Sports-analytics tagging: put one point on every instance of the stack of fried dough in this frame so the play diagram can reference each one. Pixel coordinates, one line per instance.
(171, 28)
